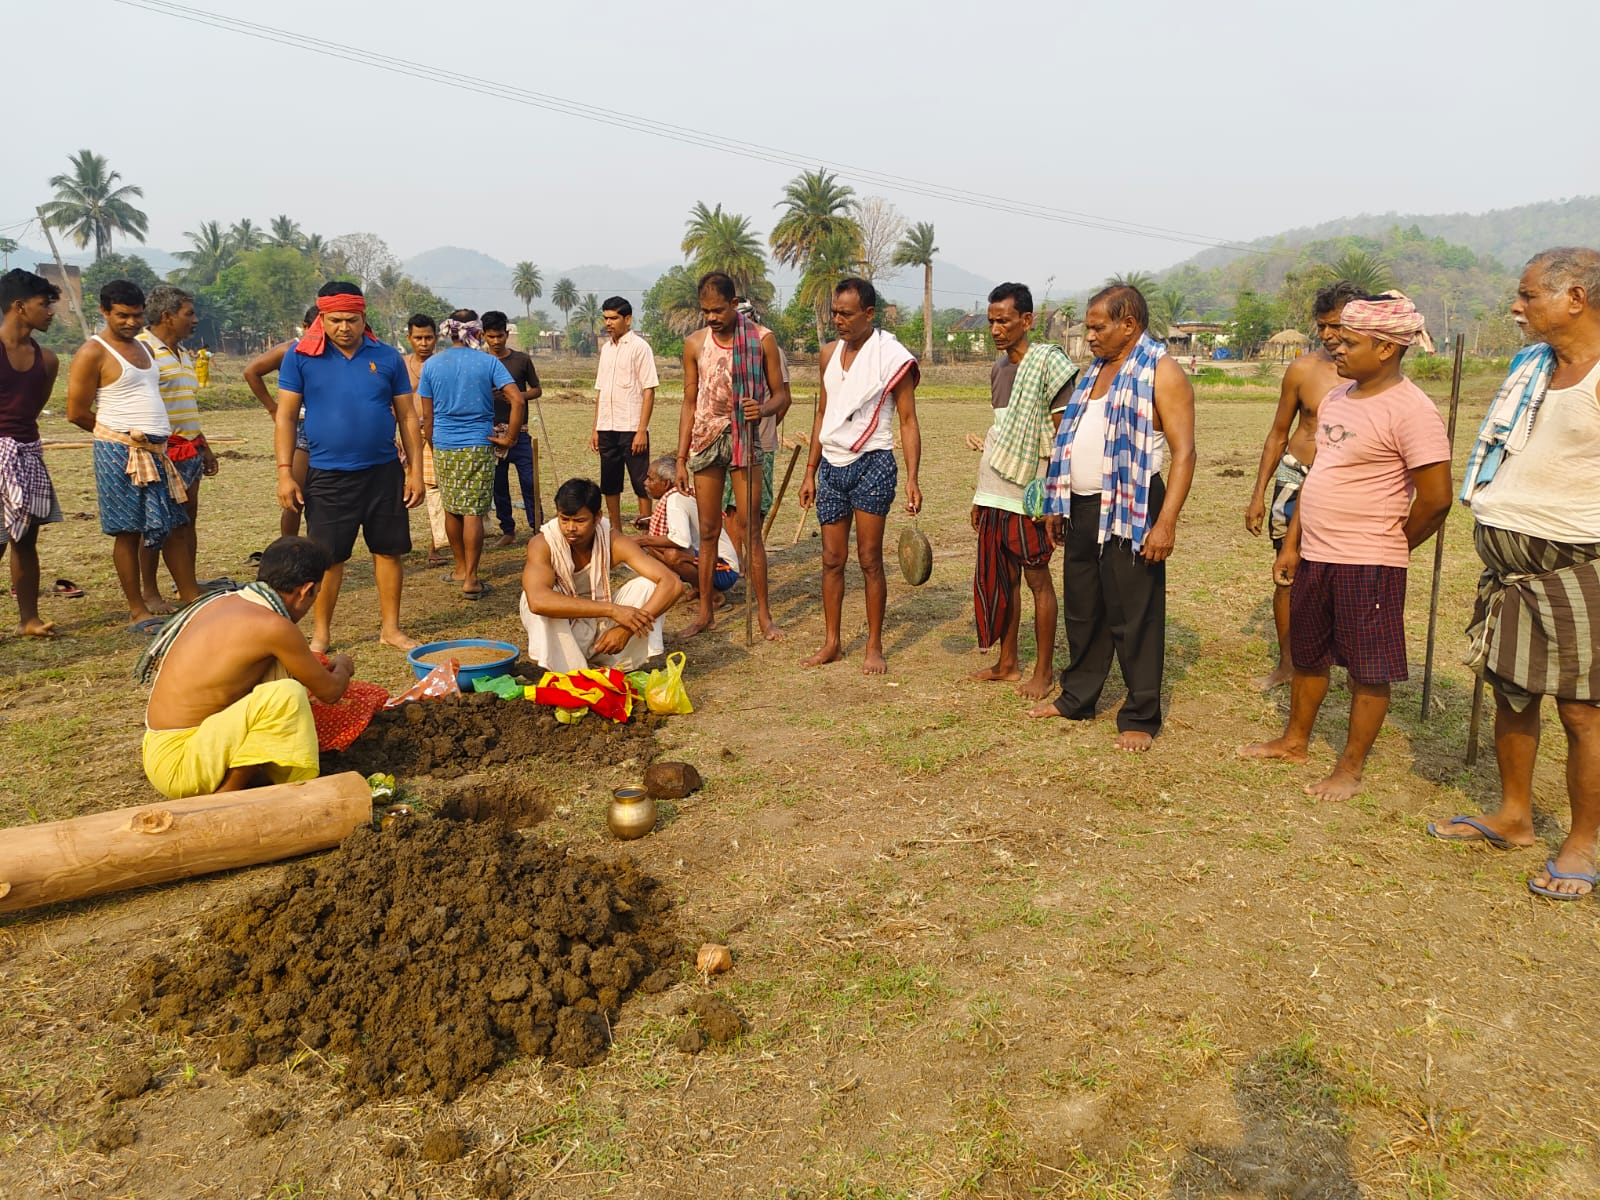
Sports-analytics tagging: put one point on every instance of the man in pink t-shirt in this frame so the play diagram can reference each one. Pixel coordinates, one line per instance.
(1379, 487)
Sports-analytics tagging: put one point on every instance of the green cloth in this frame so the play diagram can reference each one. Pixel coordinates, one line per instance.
(466, 480)
(1022, 433)
(766, 486)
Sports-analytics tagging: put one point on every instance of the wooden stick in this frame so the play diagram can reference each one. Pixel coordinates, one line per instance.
(174, 839)
(1438, 538)
(1472, 725)
(777, 501)
(538, 487)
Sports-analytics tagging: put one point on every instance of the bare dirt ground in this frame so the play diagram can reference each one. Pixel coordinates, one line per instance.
(978, 955)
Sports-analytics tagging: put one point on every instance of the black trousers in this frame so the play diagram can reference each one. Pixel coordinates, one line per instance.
(1112, 602)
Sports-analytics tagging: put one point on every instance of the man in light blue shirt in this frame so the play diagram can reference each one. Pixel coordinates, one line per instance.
(456, 395)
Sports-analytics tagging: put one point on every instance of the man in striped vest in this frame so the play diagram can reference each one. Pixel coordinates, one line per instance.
(1536, 507)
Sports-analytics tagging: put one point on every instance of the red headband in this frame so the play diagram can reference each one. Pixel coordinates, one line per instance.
(315, 340)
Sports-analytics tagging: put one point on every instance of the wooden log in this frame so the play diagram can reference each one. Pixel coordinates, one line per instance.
(174, 839)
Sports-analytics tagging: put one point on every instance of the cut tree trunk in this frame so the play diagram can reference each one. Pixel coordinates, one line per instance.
(927, 313)
(174, 839)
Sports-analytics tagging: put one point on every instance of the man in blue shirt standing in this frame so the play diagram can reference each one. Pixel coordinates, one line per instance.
(457, 398)
(355, 391)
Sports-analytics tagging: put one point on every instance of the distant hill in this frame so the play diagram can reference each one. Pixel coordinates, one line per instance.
(1510, 236)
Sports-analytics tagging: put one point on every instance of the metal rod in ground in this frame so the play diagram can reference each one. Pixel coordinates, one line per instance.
(1472, 725)
(783, 490)
(752, 526)
(1438, 538)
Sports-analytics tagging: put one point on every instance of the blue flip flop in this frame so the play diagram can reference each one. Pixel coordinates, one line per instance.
(1550, 870)
(148, 627)
(1488, 835)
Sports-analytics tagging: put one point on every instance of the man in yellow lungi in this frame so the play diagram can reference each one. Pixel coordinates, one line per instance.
(202, 366)
(233, 679)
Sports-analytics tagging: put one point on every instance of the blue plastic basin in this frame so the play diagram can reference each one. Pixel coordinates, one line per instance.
(466, 674)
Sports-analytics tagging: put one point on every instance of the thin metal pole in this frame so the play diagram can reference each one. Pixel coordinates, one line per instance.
(1438, 538)
(76, 304)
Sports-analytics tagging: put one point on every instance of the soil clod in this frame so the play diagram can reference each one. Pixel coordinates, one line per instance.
(265, 1121)
(670, 780)
(444, 1145)
(130, 1080)
(424, 955)
(116, 1133)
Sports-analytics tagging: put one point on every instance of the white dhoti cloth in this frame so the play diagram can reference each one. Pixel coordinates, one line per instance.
(563, 644)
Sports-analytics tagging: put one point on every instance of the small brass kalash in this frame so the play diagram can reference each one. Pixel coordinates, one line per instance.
(632, 813)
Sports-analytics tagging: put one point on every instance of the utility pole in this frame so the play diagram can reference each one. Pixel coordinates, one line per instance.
(76, 304)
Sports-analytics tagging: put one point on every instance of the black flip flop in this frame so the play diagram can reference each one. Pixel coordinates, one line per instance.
(483, 590)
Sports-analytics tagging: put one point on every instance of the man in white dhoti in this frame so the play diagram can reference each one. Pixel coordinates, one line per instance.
(574, 618)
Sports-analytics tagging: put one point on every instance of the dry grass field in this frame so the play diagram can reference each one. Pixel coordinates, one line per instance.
(979, 955)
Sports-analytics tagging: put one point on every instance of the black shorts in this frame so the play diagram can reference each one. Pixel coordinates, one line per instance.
(371, 501)
(615, 453)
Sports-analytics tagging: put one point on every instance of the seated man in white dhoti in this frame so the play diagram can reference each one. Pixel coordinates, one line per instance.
(574, 618)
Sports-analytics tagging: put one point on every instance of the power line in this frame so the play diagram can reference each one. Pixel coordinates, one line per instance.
(678, 133)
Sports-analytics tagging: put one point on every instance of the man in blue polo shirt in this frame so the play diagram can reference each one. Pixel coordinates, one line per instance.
(456, 397)
(355, 391)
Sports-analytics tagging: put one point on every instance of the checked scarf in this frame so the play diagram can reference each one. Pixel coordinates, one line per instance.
(1506, 427)
(749, 372)
(26, 494)
(1130, 428)
(150, 660)
(1022, 433)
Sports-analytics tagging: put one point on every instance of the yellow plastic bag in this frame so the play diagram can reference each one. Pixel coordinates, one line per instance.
(664, 691)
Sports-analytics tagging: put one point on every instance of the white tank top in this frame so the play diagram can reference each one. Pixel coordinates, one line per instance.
(1548, 490)
(1089, 450)
(132, 401)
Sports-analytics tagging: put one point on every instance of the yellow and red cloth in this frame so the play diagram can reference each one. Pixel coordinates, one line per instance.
(606, 691)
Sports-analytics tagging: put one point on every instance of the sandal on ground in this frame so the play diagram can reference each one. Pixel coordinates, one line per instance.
(1551, 894)
(253, 559)
(66, 589)
(1485, 834)
(483, 590)
(148, 627)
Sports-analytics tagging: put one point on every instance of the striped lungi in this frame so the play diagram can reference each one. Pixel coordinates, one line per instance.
(1535, 625)
(1008, 542)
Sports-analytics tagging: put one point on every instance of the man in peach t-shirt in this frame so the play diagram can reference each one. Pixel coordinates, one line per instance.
(1379, 488)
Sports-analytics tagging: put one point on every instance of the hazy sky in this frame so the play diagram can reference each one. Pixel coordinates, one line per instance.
(1228, 119)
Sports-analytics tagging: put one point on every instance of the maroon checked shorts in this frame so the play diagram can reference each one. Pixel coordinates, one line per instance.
(1350, 615)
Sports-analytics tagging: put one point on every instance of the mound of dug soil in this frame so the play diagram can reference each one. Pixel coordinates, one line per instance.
(460, 734)
(426, 954)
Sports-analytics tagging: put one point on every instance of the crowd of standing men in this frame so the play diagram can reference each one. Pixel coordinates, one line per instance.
(1355, 474)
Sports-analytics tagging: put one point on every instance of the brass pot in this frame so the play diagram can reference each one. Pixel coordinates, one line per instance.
(632, 813)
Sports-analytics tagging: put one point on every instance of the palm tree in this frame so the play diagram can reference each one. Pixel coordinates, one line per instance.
(528, 283)
(1372, 273)
(723, 241)
(212, 253)
(817, 208)
(565, 297)
(1141, 281)
(89, 208)
(315, 248)
(678, 300)
(286, 232)
(1167, 305)
(245, 235)
(590, 315)
(835, 257)
(916, 249)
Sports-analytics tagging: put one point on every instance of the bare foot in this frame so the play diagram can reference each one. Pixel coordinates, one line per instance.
(504, 540)
(1456, 830)
(1037, 687)
(435, 561)
(996, 674)
(320, 645)
(38, 627)
(1276, 748)
(1339, 785)
(770, 630)
(874, 663)
(398, 640)
(159, 606)
(1134, 741)
(699, 625)
(1044, 710)
(829, 653)
(1572, 863)
(1279, 676)
(718, 600)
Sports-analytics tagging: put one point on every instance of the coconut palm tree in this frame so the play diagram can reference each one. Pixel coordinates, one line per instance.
(285, 232)
(1372, 273)
(315, 248)
(816, 208)
(565, 297)
(723, 241)
(678, 300)
(916, 249)
(835, 257)
(1141, 281)
(528, 283)
(212, 252)
(590, 316)
(245, 235)
(89, 207)
(1167, 305)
